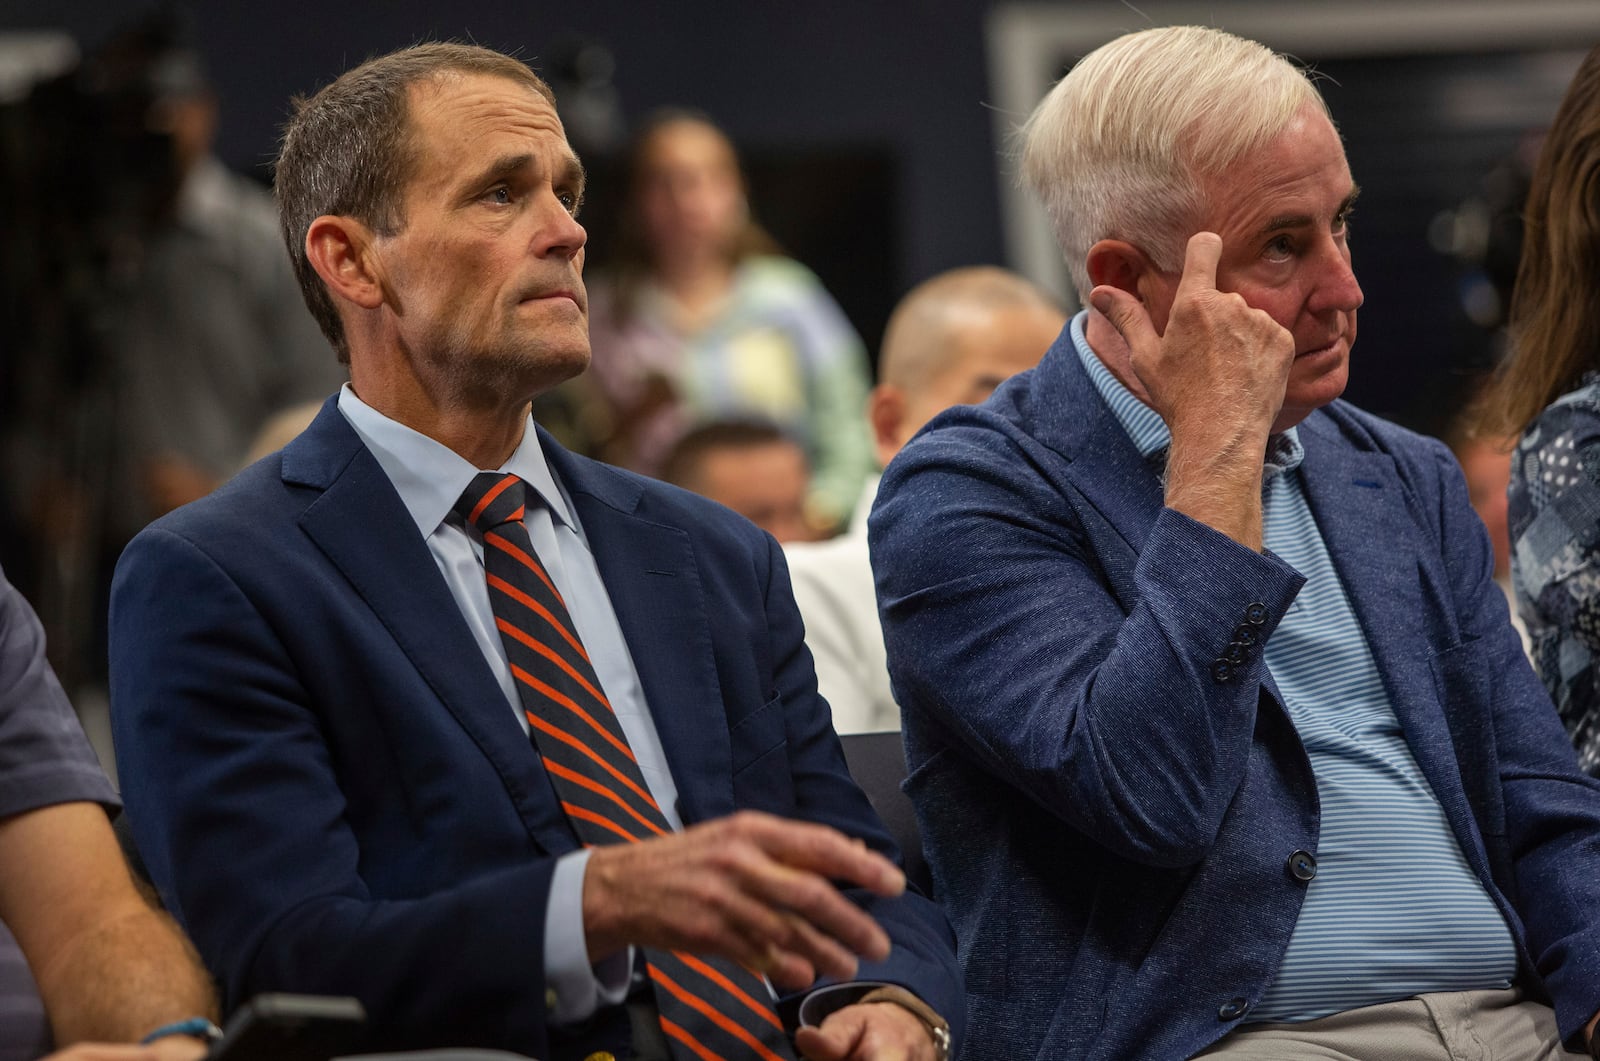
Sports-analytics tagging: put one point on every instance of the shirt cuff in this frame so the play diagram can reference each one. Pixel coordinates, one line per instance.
(575, 988)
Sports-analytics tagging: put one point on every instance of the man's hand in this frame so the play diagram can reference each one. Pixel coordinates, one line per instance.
(1217, 359)
(873, 1031)
(1217, 376)
(750, 887)
(171, 1048)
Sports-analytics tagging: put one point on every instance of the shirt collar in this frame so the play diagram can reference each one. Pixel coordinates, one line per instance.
(1144, 425)
(430, 477)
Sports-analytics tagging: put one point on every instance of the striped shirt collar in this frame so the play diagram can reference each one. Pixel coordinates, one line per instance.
(1144, 425)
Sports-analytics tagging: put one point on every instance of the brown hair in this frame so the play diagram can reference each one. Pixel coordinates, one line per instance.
(683, 463)
(347, 151)
(632, 258)
(1555, 305)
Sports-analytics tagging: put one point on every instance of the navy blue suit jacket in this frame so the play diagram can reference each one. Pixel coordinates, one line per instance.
(328, 786)
(1108, 823)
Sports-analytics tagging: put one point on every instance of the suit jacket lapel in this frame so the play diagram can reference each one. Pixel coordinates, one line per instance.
(1121, 487)
(650, 572)
(360, 523)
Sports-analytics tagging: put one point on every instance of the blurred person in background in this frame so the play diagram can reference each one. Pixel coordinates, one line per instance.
(156, 322)
(750, 467)
(1549, 390)
(702, 318)
(951, 341)
(215, 338)
(1486, 462)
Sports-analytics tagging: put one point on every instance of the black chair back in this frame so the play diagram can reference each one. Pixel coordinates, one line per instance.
(878, 763)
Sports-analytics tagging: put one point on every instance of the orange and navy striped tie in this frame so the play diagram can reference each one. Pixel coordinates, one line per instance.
(712, 1009)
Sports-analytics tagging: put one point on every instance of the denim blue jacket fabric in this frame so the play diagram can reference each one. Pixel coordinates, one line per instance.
(1110, 825)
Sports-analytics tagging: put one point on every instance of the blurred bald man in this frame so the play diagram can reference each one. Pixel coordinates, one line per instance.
(952, 340)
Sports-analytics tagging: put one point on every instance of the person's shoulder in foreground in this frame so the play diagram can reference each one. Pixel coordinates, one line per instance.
(105, 967)
(408, 738)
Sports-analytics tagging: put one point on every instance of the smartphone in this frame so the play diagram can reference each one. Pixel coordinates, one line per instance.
(281, 1027)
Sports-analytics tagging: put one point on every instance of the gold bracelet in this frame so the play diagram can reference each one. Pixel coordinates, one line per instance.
(938, 1028)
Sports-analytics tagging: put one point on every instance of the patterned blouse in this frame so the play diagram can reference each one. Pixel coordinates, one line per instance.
(1554, 514)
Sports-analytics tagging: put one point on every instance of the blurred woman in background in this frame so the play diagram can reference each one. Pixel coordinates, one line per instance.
(700, 318)
(1549, 389)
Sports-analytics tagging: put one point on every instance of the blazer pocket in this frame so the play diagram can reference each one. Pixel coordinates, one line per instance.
(760, 750)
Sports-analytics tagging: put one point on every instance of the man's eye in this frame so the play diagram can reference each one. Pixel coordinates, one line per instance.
(572, 201)
(500, 195)
(1279, 249)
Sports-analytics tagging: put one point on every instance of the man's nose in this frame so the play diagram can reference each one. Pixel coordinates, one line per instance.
(1337, 288)
(559, 232)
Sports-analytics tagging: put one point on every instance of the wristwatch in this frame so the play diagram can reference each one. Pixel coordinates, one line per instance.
(197, 1027)
(938, 1028)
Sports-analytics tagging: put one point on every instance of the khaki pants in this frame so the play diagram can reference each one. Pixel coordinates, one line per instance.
(1449, 1026)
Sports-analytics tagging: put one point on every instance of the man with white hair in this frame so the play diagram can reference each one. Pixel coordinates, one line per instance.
(1221, 740)
(951, 340)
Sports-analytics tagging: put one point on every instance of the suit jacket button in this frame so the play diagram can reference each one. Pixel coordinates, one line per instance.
(1236, 653)
(1255, 614)
(1221, 671)
(1302, 865)
(1233, 1009)
(551, 999)
(1245, 634)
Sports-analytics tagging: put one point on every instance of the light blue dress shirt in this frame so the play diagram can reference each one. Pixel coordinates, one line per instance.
(430, 477)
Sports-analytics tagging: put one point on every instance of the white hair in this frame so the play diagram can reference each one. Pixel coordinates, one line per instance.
(1117, 148)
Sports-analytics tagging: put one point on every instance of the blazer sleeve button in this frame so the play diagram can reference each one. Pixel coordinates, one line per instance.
(1221, 671)
(1255, 614)
(1233, 1009)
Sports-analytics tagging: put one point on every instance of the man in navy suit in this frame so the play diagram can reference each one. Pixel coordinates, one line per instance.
(324, 747)
(1220, 739)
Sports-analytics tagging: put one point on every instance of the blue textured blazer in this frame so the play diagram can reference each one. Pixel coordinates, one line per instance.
(1108, 823)
(331, 793)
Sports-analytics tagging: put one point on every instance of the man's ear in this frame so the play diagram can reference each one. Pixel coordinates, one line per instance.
(886, 412)
(1117, 263)
(340, 250)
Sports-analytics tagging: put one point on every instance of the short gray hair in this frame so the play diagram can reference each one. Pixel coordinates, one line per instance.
(1117, 148)
(347, 151)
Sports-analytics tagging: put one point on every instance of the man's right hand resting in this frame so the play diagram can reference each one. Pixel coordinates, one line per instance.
(750, 887)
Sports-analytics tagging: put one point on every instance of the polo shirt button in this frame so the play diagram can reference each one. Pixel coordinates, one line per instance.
(1255, 614)
(1233, 1009)
(1221, 671)
(1302, 865)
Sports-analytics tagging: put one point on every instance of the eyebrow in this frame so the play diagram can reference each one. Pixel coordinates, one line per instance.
(1285, 222)
(571, 171)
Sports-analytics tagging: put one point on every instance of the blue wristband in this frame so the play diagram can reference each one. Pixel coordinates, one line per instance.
(198, 1027)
